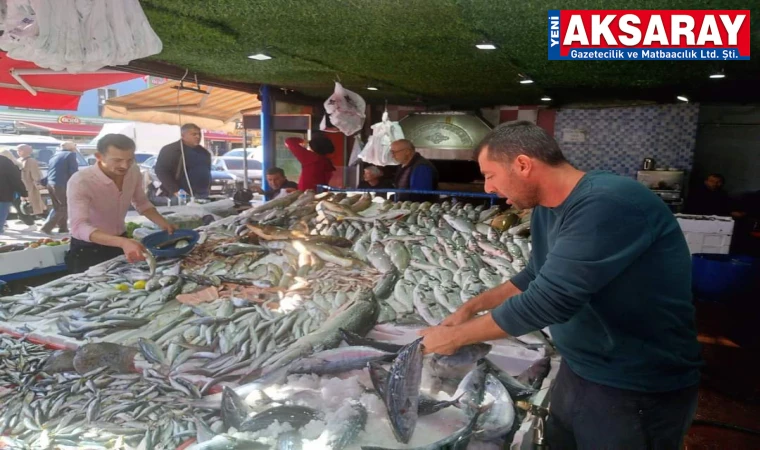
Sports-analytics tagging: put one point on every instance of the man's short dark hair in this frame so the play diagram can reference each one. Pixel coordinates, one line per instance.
(321, 144)
(718, 176)
(275, 171)
(115, 140)
(511, 139)
(188, 127)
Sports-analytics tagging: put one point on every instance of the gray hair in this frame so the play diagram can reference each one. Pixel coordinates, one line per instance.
(374, 170)
(23, 147)
(69, 145)
(406, 143)
(511, 139)
(188, 127)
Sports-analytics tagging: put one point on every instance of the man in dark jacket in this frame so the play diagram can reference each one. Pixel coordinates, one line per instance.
(415, 173)
(278, 184)
(60, 169)
(10, 185)
(173, 171)
(709, 198)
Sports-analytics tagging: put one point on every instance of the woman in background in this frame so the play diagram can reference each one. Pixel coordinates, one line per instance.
(316, 167)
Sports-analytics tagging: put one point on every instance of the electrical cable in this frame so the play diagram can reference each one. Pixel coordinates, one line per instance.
(727, 426)
(181, 144)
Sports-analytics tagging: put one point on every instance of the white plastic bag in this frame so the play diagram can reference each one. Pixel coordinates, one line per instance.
(378, 148)
(346, 110)
(77, 35)
(355, 151)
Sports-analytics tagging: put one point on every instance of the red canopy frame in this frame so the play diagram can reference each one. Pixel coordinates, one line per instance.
(24, 84)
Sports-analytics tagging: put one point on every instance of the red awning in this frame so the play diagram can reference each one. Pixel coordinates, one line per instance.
(55, 90)
(66, 129)
(217, 136)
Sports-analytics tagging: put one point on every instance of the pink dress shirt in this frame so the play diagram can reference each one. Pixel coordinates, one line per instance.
(95, 203)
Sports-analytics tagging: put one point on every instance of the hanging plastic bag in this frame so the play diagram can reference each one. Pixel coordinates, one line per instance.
(77, 35)
(346, 110)
(355, 151)
(378, 148)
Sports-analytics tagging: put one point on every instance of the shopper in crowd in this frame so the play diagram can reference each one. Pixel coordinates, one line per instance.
(373, 179)
(316, 167)
(184, 165)
(610, 275)
(415, 173)
(61, 167)
(709, 198)
(31, 176)
(278, 184)
(11, 186)
(28, 220)
(99, 197)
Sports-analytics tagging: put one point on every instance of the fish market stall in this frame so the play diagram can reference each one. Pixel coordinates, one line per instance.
(291, 324)
(30, 259)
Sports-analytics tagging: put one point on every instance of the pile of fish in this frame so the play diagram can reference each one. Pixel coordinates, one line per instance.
(290, 280)
(387, 407)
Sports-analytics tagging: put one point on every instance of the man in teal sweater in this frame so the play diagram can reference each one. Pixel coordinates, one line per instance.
(610, 275)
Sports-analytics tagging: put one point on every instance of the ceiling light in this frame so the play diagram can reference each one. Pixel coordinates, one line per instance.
(260, 57)
(682, 98)
(546, 98)
(718, 75)
(371, 88)
(485, 46)
(526, 81)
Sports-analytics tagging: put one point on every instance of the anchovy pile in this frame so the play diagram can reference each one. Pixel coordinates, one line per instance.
(294, 278)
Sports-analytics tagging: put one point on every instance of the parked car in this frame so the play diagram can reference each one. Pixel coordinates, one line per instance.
(234, 167)
(222, 183)
(253, 153)
(44, 147)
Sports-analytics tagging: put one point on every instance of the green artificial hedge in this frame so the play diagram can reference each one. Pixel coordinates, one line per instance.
(415, 50)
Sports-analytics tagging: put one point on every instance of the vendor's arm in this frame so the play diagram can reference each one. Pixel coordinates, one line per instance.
(302, 154)
(445, 340)
(486, 301)
(598, 240)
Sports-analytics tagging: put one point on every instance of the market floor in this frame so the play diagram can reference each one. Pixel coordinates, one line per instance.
(730, 388)
(16, 232)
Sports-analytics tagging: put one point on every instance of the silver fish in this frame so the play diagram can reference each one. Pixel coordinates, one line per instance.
(296, 416)
(403, 392)
(501, 416)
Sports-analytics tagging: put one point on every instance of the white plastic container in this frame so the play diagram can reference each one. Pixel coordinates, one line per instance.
(28, 259)
(707, 234)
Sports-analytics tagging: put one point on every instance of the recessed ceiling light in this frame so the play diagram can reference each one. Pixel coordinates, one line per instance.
(682, 98)
(485, 46)
(546, 98)
(718, 75)
(371, 88)
(260, 57)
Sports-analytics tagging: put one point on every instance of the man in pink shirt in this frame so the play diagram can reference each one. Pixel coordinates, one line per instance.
(98, 199)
